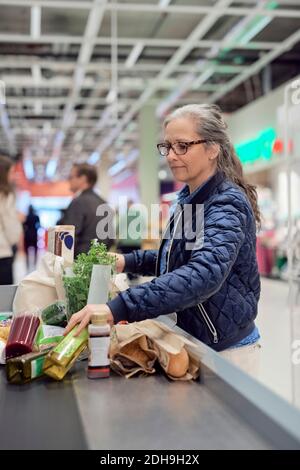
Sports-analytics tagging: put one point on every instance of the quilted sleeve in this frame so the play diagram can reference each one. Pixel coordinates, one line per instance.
(225, 225)
(141, 262)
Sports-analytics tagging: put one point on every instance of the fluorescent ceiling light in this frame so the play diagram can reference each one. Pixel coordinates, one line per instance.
(203, 77)
(59, 138)
(47, 126)
(122, 164)
(111, 96)
(38, 107)
(262, 23)
(134, 55)
(36, 73)
(164, 3)
(94, 158)
(51, 168)
(2, 93)
(35, 21)
(28, 168)
(117, 167)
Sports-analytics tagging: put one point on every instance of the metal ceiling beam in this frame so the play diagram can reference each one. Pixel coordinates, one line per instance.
(202, 10)
(22, 62)
(152, 8)
(125, 84)
(91, 31)
(198, 32)
(257, 66)
(6, 126)
(130, 42)
(206, 67)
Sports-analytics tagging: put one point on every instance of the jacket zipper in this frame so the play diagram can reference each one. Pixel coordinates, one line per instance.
(202, 310)
(208, 322)
(168, 225)
(172, 239)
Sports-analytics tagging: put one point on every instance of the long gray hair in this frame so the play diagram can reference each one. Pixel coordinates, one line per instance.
(210, 125)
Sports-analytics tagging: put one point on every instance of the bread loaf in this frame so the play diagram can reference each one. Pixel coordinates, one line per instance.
(178, 364)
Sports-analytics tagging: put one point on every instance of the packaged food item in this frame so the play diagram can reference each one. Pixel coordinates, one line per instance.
(99, 342)
(22, 334)
(55, 314)
(23, 369)
(4, 333)
(48, 335)
(5, 316)
(2, 351)
(61, 242)
(60, 360)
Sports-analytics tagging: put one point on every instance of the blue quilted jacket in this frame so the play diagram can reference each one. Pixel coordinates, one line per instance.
(212, 280)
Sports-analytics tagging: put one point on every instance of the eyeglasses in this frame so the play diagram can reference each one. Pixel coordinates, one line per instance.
(179, 148)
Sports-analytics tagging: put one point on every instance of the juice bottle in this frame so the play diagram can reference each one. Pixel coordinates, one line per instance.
(23, 369)
(21, 335)
(63, 356)
(99, 341)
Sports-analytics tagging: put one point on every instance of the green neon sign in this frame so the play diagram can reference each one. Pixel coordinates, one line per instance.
(256, 149)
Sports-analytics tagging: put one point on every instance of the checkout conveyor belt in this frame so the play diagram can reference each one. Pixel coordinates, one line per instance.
(139, 413)
(225, 409)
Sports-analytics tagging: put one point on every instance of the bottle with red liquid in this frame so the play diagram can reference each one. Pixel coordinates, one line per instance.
(22, 334)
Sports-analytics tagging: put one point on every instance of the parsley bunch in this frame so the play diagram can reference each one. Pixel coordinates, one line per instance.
(77, 286)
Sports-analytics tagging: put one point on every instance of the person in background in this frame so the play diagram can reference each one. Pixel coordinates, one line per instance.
(31, 226)
(10, 225)
(82, 210)
(209, 276)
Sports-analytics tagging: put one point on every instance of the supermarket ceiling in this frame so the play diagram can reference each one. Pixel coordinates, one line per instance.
(77, 72)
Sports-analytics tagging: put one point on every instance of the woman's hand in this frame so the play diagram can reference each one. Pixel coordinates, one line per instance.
(83, 317)
(120, 262)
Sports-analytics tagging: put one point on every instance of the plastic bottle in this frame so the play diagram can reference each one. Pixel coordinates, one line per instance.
(23, 369)
(60, 360)
(99, 341)
(22, 334)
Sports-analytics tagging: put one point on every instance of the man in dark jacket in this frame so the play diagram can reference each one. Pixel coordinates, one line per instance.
(82, 212)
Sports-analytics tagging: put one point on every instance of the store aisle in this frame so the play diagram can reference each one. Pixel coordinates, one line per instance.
(273, 322)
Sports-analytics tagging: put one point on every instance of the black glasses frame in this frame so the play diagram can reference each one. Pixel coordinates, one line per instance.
(186, 145)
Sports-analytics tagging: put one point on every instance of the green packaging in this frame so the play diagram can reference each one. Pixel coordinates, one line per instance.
(60, 360)
(23, 369)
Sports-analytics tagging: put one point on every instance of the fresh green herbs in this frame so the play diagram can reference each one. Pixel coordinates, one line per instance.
(77, 286)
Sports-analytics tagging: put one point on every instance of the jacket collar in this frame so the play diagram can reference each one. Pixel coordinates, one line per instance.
(202, 193)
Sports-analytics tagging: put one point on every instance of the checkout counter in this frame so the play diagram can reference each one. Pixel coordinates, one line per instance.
(225, 409)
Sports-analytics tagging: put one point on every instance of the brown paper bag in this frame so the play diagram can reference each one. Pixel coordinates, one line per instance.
(136, 346)
(130, 351)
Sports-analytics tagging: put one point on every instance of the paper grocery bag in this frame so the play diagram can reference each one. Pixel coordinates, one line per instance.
(135, 348)
(41, 287)
(130, 351)
(165, 342)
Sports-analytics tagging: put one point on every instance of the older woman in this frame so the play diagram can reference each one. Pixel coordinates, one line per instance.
(212, 283)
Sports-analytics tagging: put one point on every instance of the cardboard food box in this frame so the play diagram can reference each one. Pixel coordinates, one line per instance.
(61, 242)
